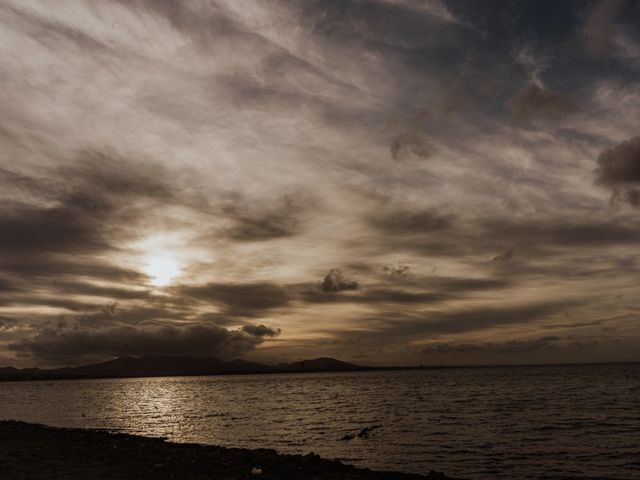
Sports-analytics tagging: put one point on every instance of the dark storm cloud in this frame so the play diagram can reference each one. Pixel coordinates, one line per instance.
(336, 281)
(61, 344)
(533, 102)
(511, 346)
(241, 299)
(599, 28)
(619, 169)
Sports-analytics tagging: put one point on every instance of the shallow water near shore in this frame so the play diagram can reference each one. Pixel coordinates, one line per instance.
(503, 422)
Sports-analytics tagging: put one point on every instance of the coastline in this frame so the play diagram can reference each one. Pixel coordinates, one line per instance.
(30, 451)
(11, 374)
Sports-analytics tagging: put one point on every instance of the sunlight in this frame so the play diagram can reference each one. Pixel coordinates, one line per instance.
(162, 270)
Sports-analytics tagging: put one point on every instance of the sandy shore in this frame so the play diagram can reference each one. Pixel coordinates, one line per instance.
(30, 451)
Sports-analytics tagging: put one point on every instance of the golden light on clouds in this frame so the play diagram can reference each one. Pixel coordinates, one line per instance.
(162, 270)
(162, 257)
(238, 154)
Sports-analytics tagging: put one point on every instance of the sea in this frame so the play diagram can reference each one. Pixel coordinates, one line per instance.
(542, 422)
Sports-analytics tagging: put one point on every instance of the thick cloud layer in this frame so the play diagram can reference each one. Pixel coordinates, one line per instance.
(59, 345)
(382, 181)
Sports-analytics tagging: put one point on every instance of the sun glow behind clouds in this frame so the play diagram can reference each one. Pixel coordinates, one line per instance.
(162, 258)
(161, 270)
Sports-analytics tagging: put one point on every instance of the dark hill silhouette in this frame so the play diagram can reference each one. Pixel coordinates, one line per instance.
(322, 364)
(165, 366)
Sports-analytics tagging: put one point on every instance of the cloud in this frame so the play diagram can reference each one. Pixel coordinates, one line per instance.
(440, 348)
(510, 346)
(253, 144)
(412, 143)
(335, 281)
(43, 264)
(599, 28)
(241, 299)
(398, 270)
(84, 213)
(261, 331)
(376, 296)
(280, 221)
(399, 222)
(536, 102)
(517, 346)
(434, 8)
(619, 169)
(504, 257)
(7, 324)
(114, 293)
(403, 325)
(57, 345)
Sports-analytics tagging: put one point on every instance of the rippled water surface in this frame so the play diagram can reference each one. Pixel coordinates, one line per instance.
(477, 423)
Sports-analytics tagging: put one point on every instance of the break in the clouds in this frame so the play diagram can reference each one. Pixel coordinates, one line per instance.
(382, 181)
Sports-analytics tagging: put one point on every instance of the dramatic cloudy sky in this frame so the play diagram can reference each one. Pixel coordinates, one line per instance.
(383, 181)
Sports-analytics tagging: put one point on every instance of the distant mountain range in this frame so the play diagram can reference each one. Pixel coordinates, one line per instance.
(173, 366)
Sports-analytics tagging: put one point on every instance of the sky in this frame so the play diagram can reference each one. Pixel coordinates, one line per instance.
(388, 182)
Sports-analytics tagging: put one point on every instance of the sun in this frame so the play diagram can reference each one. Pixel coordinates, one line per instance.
(162, 270)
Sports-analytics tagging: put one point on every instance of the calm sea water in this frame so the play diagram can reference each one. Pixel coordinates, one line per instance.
(477, 423)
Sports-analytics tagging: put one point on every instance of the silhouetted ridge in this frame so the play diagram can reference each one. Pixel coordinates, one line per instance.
(322, 364)
(165, 366)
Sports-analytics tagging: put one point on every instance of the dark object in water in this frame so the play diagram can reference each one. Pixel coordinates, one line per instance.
(364, 433)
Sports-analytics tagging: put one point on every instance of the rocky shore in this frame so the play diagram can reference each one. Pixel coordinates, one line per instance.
(30, 451)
